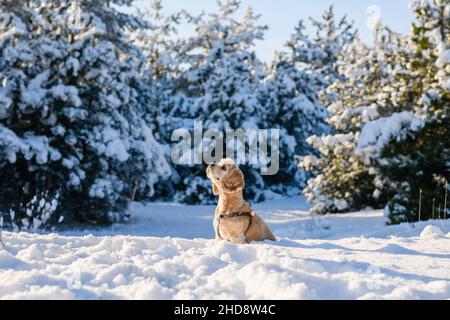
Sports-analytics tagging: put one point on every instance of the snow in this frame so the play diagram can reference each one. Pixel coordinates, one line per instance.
(31, 146)
(67, 93)
(431, 232)
(397, 127)
(5, 103)
(169, 253)
(34, 94)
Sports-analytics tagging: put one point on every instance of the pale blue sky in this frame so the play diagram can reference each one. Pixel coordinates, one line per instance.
(282, 16)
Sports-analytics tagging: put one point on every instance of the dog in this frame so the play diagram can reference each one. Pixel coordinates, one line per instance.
(234, 219)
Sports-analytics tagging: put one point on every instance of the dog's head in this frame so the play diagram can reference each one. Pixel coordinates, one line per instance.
(225, 176)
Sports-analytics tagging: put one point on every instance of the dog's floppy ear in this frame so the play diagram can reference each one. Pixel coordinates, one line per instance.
(215, 189)
(233, 181)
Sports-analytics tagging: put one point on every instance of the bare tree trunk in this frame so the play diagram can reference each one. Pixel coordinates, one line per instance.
(432, 209)
(445, 200)
(133, 215)
(2, 245)
(420, 203)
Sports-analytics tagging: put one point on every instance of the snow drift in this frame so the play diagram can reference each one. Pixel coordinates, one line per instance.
(351, 256)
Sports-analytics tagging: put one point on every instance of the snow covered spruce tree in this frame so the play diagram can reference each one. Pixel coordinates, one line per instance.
(161, 46)
(219, 88)
(321, 53)
(291, 100)
(291, 93)
(343, 178)
(72, 136)
(411, 147)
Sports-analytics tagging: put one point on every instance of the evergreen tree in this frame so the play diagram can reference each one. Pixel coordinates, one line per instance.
(292, 92)
(220, 88)
(344, 179)
(72, 135)
(411, 148)
(321, 53)
(162, 47)
(292, 105)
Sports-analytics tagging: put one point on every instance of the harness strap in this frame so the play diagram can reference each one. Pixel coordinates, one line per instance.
(234, 215)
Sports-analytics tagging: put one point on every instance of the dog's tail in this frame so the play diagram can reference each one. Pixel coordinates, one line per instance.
(270, 235)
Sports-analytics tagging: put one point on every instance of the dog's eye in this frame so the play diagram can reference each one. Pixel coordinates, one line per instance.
(223, 168)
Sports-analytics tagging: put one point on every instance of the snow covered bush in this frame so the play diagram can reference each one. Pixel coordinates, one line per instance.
(71, 107)
(40, 211)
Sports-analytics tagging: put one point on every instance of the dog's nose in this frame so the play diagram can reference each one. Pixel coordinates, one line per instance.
(212, 164)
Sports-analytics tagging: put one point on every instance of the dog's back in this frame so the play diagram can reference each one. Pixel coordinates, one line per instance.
(259, 231)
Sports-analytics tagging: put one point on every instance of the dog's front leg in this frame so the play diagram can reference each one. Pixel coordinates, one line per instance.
(216, 231)
(242, 239)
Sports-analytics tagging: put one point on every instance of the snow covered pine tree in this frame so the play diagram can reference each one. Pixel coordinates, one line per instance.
(292, 93)
(291, 100)
(218, 87)
(163, 52)
(72, 137)
(344, 179)
(411, 148)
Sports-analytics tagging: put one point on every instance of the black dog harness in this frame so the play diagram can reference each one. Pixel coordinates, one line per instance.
(234, 215)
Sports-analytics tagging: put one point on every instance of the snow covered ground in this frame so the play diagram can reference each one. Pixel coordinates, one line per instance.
(169, 253)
